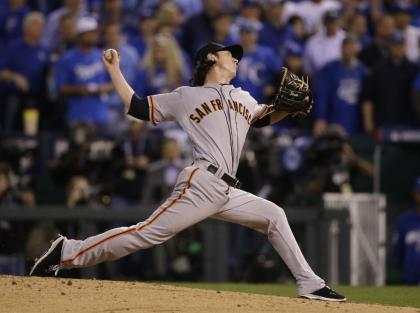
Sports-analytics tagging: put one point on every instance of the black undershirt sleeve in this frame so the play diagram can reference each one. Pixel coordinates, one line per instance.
(139, 108)
(265, 121)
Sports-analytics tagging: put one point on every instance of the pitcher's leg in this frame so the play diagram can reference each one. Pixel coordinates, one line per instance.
(184, 208)
(251, 211)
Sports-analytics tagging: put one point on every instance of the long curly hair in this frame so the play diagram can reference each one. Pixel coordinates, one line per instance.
(173, 64)
(200, 71)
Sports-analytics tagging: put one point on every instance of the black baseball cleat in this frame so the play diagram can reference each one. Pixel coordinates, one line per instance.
(325, 294)
(49, 263)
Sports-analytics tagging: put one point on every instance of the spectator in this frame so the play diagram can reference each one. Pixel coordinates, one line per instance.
(162, 174)
(189, 7)
(259, 67)
(222, 24)
(146, 30)
(197, 30)
(403, 16)
(378, 50)
(166, 30)
(295, 42)
(338, 91)
(51, 33)
(273, 33)
(129, 66)
(163, 67)
(325, 46)
(67, 35)
(311, 11)
(169, 14)
(249, 10)
(12, 15)
(24, 71)
(112, 12)
(406, 241)
(143, 145)
(81, 78)
(80, 192)
(12, 260)
(140, 147)
(332, 165)
(388, 90)
(358, 28)
(294, 60)
(74, 160)
(372, 10)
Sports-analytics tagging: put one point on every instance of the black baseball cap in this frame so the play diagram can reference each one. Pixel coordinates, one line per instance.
(329, 16)
(212, 47)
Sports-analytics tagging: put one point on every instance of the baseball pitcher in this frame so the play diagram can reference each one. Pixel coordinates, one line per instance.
(217, 117)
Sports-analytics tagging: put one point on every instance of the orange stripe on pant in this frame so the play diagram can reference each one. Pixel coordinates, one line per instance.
(135, 228)
(152, 111)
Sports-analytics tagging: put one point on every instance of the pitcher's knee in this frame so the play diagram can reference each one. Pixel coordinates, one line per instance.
(277, 217)
(274, 211)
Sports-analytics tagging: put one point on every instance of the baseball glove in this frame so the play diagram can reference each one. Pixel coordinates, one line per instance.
(293, 95)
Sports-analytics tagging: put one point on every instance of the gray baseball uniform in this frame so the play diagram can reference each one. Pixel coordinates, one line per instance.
(217, 118)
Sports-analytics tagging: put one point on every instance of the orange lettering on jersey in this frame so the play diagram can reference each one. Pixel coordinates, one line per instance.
(206, 108)
(230, 104)
(235, 106)
(219, 104)
(214, 105)
(194, 118)
(200, 113)
(241, 109)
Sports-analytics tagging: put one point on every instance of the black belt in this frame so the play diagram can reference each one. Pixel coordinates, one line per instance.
(231, 181)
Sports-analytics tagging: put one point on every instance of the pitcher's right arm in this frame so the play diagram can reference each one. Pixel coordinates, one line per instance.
(133, 105)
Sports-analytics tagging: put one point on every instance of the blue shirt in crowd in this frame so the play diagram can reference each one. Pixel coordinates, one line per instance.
(256, 70)
(29, 61)
(407, 246)
(11, 23)
(338, 95)
(275, 38)
(146, 85)
(85, 69)
(139, 44)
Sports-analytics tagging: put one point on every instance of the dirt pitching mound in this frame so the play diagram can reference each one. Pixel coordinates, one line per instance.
(33, 294)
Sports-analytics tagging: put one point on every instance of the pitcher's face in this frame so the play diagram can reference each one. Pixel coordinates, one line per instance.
(226, 61)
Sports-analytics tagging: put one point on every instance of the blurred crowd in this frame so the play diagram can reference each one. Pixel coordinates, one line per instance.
(362, 59)
(361, 56)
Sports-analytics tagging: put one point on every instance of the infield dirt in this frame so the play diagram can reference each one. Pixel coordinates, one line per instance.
(54, 295)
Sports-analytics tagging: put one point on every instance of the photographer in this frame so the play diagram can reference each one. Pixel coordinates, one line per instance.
(332, 163)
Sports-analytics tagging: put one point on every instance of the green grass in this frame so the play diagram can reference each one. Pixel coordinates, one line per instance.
(389, 295)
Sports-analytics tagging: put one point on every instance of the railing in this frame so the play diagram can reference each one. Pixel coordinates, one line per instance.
(367, 237)
(215, 233)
